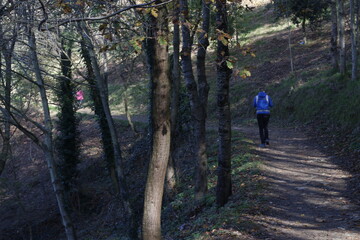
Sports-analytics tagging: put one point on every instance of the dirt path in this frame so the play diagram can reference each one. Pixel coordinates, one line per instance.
(306, 195)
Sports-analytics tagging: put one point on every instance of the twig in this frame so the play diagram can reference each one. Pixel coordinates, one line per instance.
(64, 21)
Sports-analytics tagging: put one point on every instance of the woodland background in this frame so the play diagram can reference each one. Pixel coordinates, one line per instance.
(150, 152)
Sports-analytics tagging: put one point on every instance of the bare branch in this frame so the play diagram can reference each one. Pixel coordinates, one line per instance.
(45, 15)
(65, 21)
(20, 114)
(29, 134)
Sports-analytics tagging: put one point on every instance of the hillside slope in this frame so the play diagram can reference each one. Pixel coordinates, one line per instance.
(28, 207)
(312, 96)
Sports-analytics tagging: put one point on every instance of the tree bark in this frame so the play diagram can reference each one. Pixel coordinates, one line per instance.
(101, 118)
(334, 35)
(223, 188)
(203, 91)
(150, 41)
(151, 224)
(342, 36)
(6, 148)
(126, 107)
(175, 77)
(198, 111)
(175, 96)
(303, 23)
(67, 124)
(100, 84)
(48, 142)
(7, 51)
(290, 49)
(353, 32)
(125, 99)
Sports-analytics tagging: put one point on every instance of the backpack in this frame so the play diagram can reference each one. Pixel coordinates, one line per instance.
(262, 103)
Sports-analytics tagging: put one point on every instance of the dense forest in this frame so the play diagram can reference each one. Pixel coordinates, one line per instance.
(118, 118)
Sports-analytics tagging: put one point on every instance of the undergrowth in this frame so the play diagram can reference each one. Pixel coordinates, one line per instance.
(204, 220)
(327, 102)
(313, 96)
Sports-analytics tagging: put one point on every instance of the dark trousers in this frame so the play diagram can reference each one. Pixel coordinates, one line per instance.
(263, 121)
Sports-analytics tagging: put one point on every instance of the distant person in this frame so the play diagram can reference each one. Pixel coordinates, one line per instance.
(263, 103)
(79, 96)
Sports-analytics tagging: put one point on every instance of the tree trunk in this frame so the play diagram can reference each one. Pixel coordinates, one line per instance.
(68, 140)
(151, 224)
(290, 49)
(353, 32)
(203, 97)
(48, 142)
(334, 36)
(126, 107)
(150, 41)
(197, 110)
(100, 84)
(125, 99)
(303, 24)
(342, 37)
(223, 188)
(6, 148)
(175, 77)
(175, 96)
(101, 118)
(7, 51)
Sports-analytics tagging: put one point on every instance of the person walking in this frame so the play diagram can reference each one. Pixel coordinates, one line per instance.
(79, 96)
(263, 103)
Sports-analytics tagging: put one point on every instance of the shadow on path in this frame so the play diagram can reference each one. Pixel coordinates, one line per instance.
(306, 196)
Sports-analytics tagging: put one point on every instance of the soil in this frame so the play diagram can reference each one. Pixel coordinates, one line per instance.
(307, 194)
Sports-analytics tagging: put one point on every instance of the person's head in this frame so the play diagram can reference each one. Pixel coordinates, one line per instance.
(261, 90)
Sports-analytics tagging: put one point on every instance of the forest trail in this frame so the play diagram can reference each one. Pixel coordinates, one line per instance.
(306, 195)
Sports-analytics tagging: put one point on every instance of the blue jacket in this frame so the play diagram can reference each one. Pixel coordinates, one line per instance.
(262, 103)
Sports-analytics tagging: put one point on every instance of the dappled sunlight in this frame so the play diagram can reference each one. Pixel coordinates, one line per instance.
(256, 3)
(306, 195)
(266, 30)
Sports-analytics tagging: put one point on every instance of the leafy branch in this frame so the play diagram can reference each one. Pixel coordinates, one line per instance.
(65, 21)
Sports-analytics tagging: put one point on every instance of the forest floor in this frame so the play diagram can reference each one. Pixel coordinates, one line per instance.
(308, 193)
(308, 196)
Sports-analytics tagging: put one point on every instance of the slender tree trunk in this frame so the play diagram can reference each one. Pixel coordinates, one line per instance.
(150, 41)
(224, 185)
(290, 49)
(175, 96)
(6, 148)
(151, 224)
(197, 110)
(98, 99)
(201, 54)
(357, 26)
(353, 31)
(126, 104)
(100, 84)
(175, 77)
(334, 36)
(68, 140)
(105, 73)
(203, 86)
(342, 37)
(7, 50)
(303, 24)
(48, 142)
(127, 113)
(101, 118)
